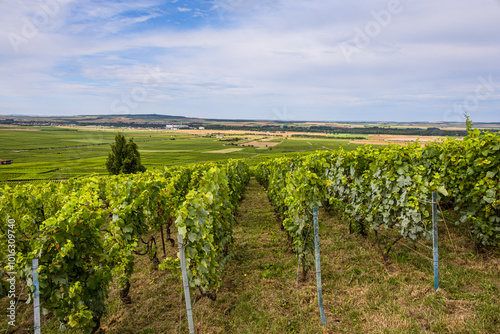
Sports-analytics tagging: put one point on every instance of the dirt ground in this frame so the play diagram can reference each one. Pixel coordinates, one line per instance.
(397, 139)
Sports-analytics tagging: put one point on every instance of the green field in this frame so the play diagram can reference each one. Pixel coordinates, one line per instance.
(362, 293)
(57, 153)
(261, 291)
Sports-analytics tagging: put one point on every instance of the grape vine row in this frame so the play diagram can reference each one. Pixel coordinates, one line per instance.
(389, 188)
(86, 231)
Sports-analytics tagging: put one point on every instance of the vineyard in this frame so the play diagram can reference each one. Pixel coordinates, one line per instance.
(390, 188)
(89, 232)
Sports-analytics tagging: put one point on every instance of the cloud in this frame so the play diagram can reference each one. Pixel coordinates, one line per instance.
(257, 56)
(183, 9)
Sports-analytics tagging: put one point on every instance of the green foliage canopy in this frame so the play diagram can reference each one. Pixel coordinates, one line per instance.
(124, 157)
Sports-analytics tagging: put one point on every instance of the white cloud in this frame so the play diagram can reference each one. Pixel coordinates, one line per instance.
(183, 9)
(273, 54)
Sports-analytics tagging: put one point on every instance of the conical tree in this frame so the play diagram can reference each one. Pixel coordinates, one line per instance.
(124, 157)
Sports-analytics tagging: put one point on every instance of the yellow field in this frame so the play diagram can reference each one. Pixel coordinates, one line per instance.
(224, 151)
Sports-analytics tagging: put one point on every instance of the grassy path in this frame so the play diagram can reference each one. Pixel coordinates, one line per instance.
(259, 294)
(362, 293)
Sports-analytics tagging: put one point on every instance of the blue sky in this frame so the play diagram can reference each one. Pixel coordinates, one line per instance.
(407, 60)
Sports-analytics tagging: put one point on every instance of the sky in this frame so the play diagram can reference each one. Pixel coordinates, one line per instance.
(321, 60)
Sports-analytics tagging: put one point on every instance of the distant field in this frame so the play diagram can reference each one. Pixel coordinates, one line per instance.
(56, 153)
(226, 150)
(397, 139)
(349, 135)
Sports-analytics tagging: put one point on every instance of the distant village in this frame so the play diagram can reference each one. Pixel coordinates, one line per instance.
(181, 126)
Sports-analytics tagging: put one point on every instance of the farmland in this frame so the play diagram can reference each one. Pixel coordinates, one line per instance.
(41, 153)
(257, 239)
(362, 292)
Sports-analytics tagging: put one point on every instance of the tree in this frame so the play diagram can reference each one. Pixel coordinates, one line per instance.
(468, 122)
(124, 157)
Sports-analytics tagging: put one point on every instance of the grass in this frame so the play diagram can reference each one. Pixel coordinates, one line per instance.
(56, 154)
(362, 292)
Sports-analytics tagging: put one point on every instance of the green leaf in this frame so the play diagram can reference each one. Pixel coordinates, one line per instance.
(191, 236)
(442, 190)
(191, 252)
(491, 192)
(491, 174)
(182, 230)
(488, 199)
(128, 229)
